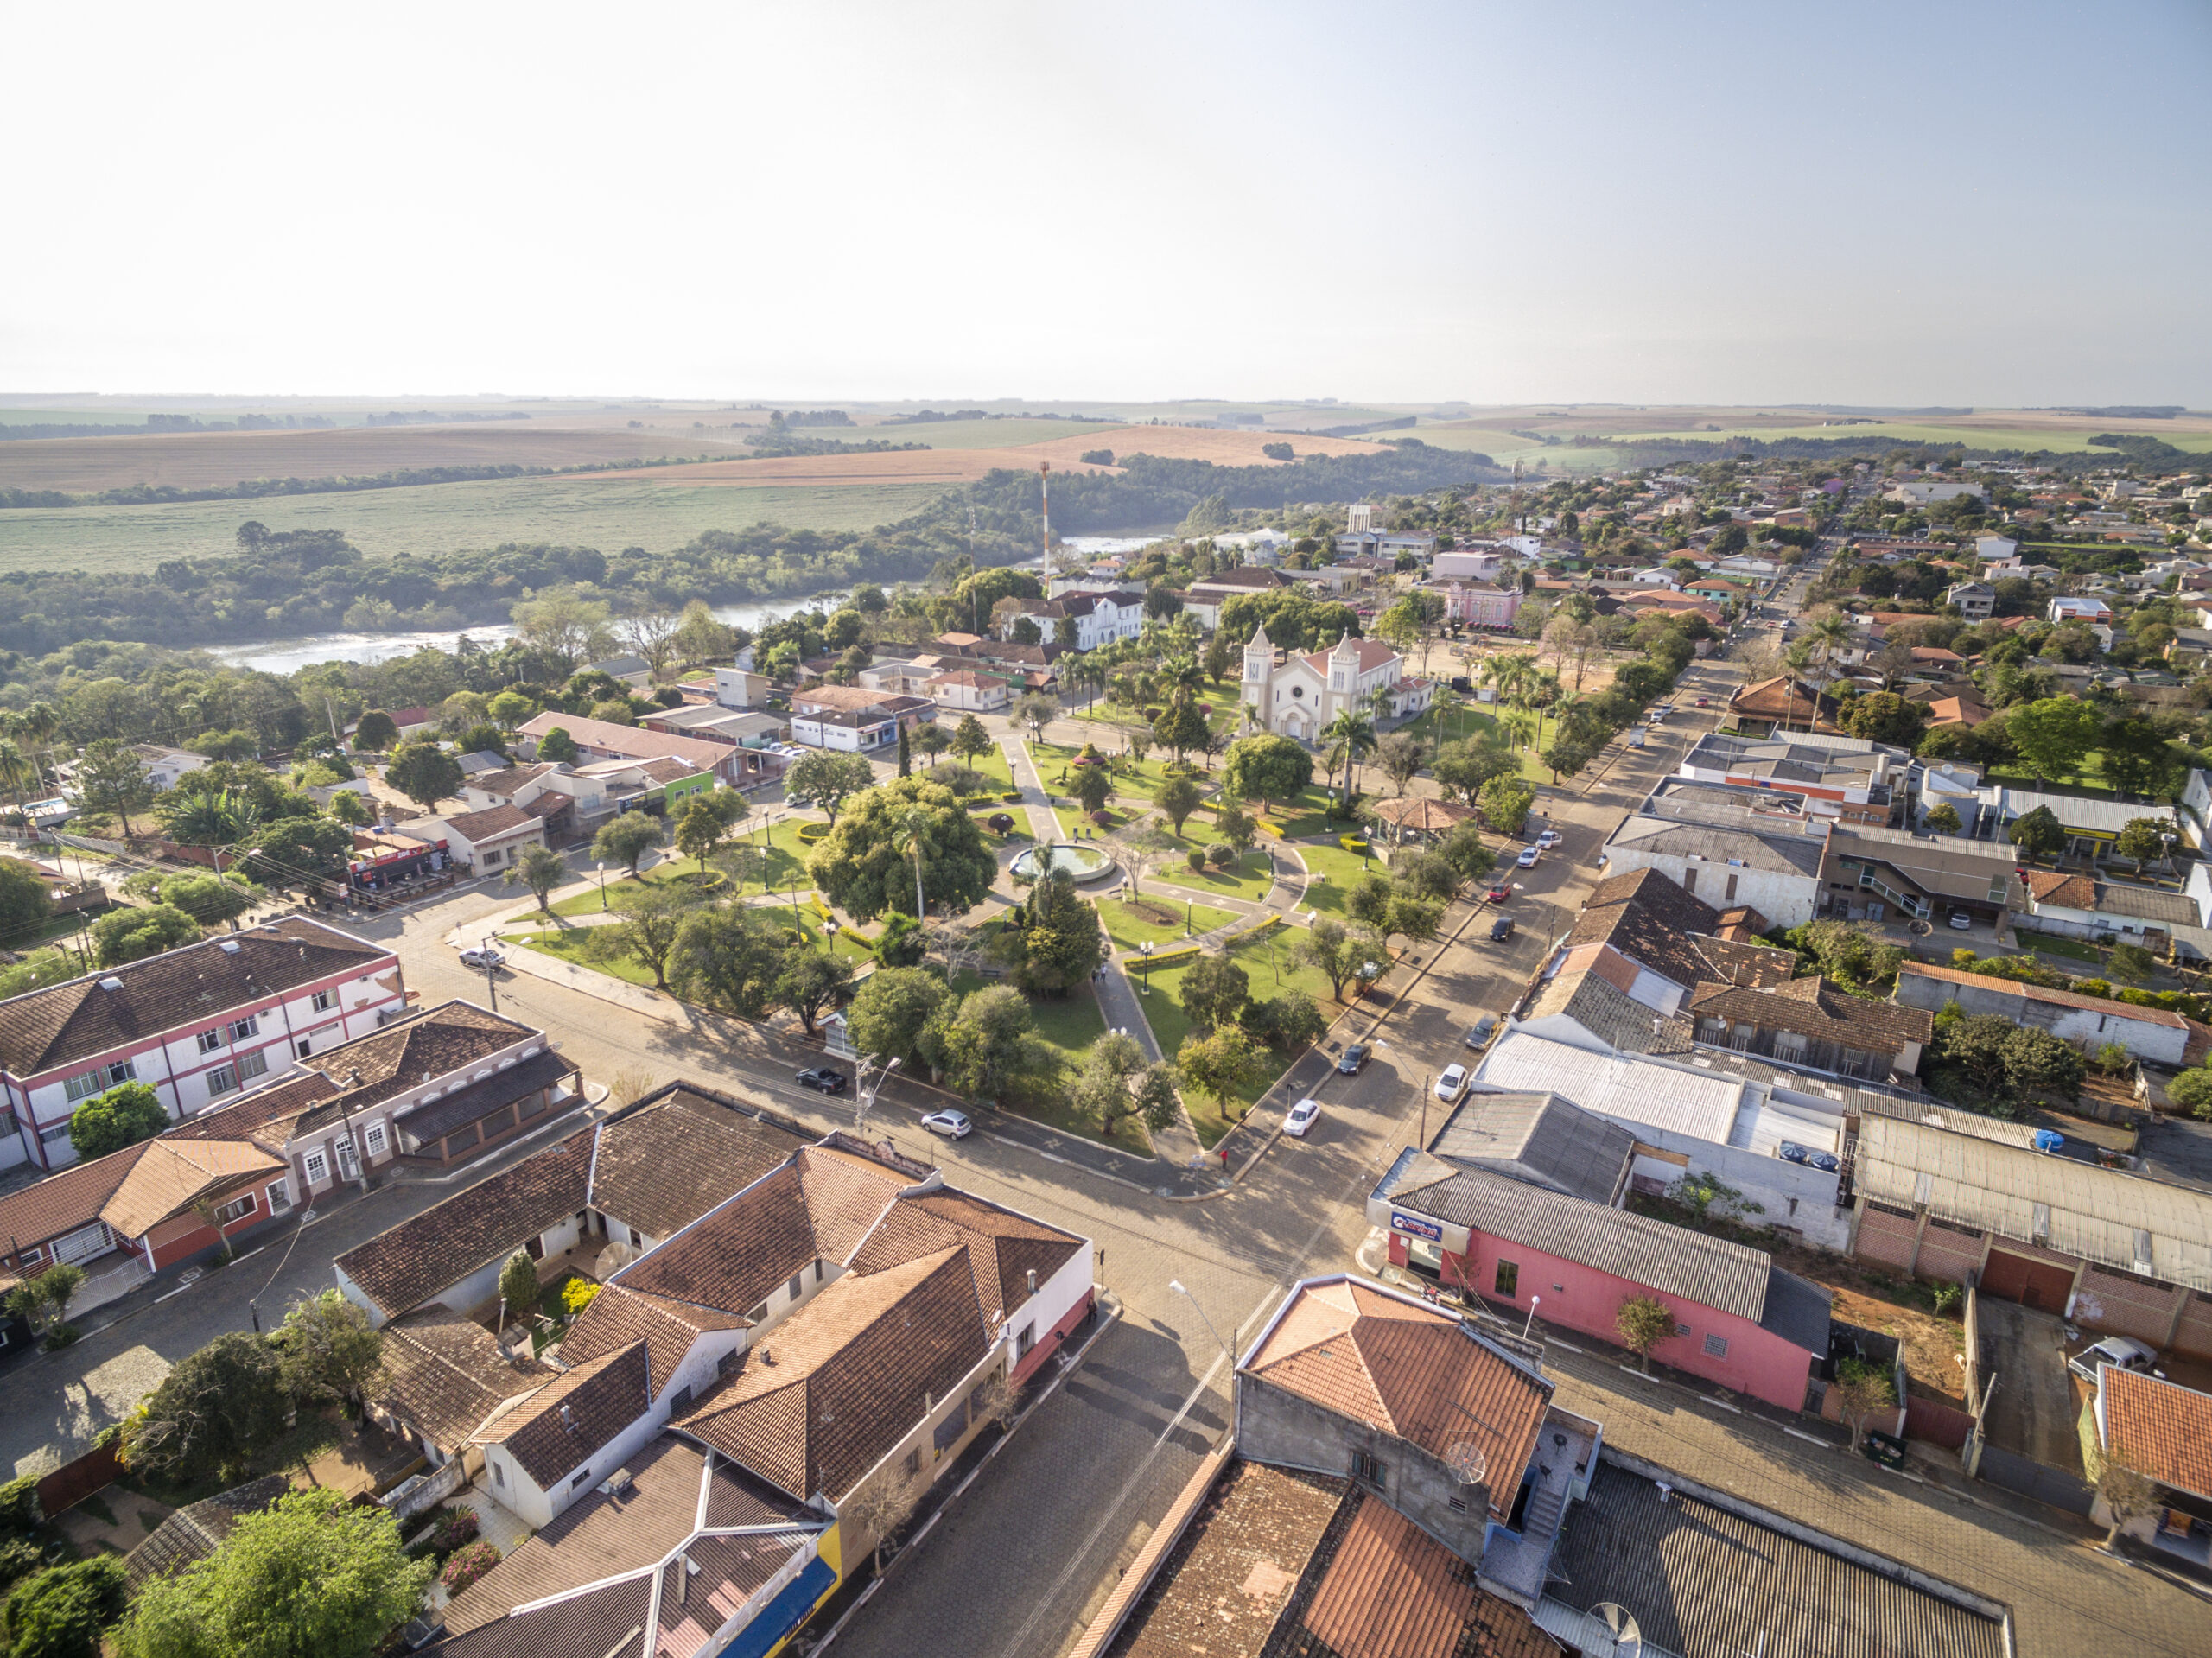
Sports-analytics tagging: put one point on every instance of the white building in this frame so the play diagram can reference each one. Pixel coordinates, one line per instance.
(165, 765)
(1993, 549)
(1300, 696)
(1100, 617)
(2070, 607)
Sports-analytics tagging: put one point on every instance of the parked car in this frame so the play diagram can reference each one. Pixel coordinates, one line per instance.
(953, 1125)
(482, 958)
(1501, 930)
(1528, 856)
(1499, 892)
(1478, 1033)
(1350, 1062)
(829, 1081)
(2124, 1352)
(1959, 920)
(1550, 839)
(1301, 1117)
(1451, 1082)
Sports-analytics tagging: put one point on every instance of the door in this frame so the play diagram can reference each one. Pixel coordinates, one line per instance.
(349, 1163)
(2036, 1284)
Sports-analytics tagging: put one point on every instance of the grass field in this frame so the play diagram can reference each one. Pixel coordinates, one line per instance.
(1507, 447)
(1268, 966)
(970, 434)
(443, 517)
(1130, 927)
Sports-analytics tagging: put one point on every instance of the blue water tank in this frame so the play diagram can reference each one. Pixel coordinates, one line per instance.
(2049, 1140)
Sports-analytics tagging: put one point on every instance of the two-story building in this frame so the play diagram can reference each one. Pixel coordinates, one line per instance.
(1100, 617)
(1476, 604)
(602, 740)
(196, 1025)
(1300, 695)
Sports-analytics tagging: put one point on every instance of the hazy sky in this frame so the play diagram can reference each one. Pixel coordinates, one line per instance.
(1925, 202)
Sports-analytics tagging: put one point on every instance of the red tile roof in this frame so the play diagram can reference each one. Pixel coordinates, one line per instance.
(2162, 1429)
(569, 1420)
(1392, 1592)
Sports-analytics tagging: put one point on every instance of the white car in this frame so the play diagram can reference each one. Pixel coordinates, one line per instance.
(1301, 1117)
(953, 1125)
(482, 958)
(1548, 839)
(1451, 1084)
(1528, 856)
(2124, 1352)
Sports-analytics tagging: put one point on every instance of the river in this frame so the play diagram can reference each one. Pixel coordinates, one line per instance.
(289, 656)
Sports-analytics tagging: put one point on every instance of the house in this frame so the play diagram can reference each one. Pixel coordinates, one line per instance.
(165, 765)
(968, 692)
(1768, 706)
(2070, 607)
(602, 740)
(741, 688)
(1674, 941)
(1811, 1024)
(1991, 550)
(1476, 604)
(1301, 695)
(900, 679)
(2089, 1022)
(2104, 1248)
(712, 722)
(1688, 1112)
(2093, 823)
(849, 719)
(1726, 856)
(1740, 1321)
(487, 842)
(1539, 1139)
(2164, 1431)
(1474, 564)
(1204, 597)
(598, 1197)
(2080, 906)
(1664, 603)
(2189, 644)
(1100, 617)
(1962, 711)
(1859, 779)
(1975, 601)
(194, 1024)
(1922, 492)
(634, 671)
(443, 1376)
(193, 1533)
(1387, 545)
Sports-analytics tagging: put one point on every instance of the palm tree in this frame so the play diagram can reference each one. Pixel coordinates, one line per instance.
(1542, 691)
(910, 837)
(17, 772)
(1352, 736)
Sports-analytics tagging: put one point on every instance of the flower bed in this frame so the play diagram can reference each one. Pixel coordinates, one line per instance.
(810, 833)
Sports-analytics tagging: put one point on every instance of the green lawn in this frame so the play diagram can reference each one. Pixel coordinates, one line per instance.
(1069, 1026)
(1343, 870)
(991, 762)
(784, 862)
(1129, 929)
(1251, 876)
(567, 943)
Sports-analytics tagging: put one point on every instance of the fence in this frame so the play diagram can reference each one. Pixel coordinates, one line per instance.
(411, 1497)
(72, 1483)
(1938, 1424)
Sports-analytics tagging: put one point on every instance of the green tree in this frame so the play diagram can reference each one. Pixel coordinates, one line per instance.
(625, 840)
(1215, 991)
(2192, 1092)
(1182, 725)
(425, 773)
(653, 915)
(347, 807)
(828, 779)
(1462, 769)
(518, 1285)
(24, 902)
(43, 1302)
(1642, 1322)
(1219, 1065)
(541, 869)
(2132, 963)
(987, 1045)
(706, 824)
(1219, 660)
(2144, 838)
(1176, 798)
(932, 739)
(1286, 1022)
(205, 899)
(1862, 1390)
(1267, 768)
(327, 1350)
(123, 936)
(2053, 736)
(1886, 717)
(1506, 803)
(2037, 1062)
(906, 753)
(2136, 759)
(811, 981)
(61, 1612)
(1093, 786)
(1464, 851)
(111, 781)
(297, 849)
(198, 814)
(212, 1412)
(969, 739)
(376, 732)
(891, 1008)
(1566, 757)
(1036, 710)
(125, 1115)
(1052, 940)
(558, 747)
(1100, 1089)
(1400, 755)
(729, 957)
(1944, 820)
(312, 1573)
(885, 833)
(1351, 738)
(1340, 953)
(510, 708)
(2037, 834)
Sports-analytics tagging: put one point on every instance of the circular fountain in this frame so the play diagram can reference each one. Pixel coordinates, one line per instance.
(1079, 863)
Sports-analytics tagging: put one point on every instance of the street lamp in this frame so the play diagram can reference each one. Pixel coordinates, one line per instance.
(1534, 1301)
(602, 885)
(1176, 1285)
(1145, 983)
(829, 933)
(864, 1101)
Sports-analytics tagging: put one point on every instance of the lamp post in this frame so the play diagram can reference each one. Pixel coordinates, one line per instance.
(864, 1099)
(1534, 1301)
(1176, 1285)
(829, 933)
(602, 885)
(1145, 983)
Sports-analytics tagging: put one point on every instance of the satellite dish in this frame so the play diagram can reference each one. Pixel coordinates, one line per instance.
(1466, 1459)
(614, 1258)
(1628, 1639)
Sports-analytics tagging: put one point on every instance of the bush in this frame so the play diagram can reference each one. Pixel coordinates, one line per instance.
(1012, 797)
(1196, 859)
(810, 833)
(20, 1513)
(1221, 854)
(2192, 1092)
(577, 1294)
(467, 1564)
(460, 1527)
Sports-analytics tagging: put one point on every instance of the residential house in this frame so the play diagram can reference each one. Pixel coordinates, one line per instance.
(1387, 545)
(1976, 601)
(875, 715)
(2163, 1430)
(1300, 695)
(194, 1024)
(741, 688)
(1662, 602)
(1741, 1322)
(602, 740)
(1768, 706)
(1726, 856)
(969, 692)
(2088, 1022)
(443, 1376)
(1920, 491)
(1962, 711)
(711, 721)
(899, 677)
(1204, 597)
(1991, 550)
(487, 842)
(1537, 1138)
(2073, 607)
(1810, 1023)
(191, 1533)
(166, 766)
(2078, 906)
(2189, 644)
(634, 671)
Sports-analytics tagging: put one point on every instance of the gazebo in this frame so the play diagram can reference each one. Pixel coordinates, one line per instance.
(1420, 815)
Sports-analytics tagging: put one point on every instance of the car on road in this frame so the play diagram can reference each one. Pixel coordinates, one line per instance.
(953, 1125)
(1478, 1033)
(1636, 739)
(1301, 1117)
(1349, 1063)
(1452, 1083)
(1528, 856)
(1550, 839)
(482, 956)
(1499, 892)
(2123, 1351)
(1501, 930)
(829, 1081)
(1705, 701)
(1959, 920)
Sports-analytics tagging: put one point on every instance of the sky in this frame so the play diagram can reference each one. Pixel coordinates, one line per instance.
(1996, 204)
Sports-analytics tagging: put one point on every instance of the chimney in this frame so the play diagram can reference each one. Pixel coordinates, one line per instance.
(1033, 1281)
(568, 1418)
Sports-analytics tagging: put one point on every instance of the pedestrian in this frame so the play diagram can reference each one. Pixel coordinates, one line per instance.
(1224, 1159)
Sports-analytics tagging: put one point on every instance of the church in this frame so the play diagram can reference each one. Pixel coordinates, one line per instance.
(1298, 696)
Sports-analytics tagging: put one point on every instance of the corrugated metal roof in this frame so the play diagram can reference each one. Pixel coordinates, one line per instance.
(1539, 1138)
(2080, 1208)
(1681, 1102)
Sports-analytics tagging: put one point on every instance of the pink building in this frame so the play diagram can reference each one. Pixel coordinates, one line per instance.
(1478, 604)
(1740, 1321)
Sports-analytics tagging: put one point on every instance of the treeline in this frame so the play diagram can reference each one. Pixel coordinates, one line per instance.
(159, 423)
(775, 442)
(257, 488)
(1691, 450)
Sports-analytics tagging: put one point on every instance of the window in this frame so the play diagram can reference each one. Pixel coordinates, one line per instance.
(1729, 896)
(913, 1462)
(253, 1064)
(582, 1476)
(1024, 1340)
(726, 1363)
(53, 1134)
(222, 1080)
(1689, 881)
(325, 1000)
(210, 1041)
(1509, 1277)
(950, 1430)
(818, 1272)
(373, 1137)
(248, 1026)
(237, 1210)
(793, 1288)
(680, 1398)
(1788, 1044)
(280, 1196)
(976, 1396)
(99, 1081)
(318, 1168)
(302, 1048)
(1716, 1347)
(1369, 1472)
(498, 1474)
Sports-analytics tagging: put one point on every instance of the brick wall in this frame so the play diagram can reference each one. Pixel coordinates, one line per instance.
(1885, 1238)
(1948, 1254)
(2195, 1335)
(2107, 1301)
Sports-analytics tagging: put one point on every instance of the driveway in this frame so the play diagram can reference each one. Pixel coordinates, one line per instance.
(2033, 1411)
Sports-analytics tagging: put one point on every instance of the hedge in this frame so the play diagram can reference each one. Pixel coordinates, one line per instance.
(811, 833)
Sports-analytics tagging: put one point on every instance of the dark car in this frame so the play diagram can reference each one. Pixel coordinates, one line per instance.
(1479, 1033)
(1349, 1063)
(829, 1081)
(1501, 930)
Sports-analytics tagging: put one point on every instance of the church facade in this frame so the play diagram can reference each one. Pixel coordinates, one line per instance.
(1299, 694)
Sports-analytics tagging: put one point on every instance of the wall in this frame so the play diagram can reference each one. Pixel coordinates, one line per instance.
(1792, 1194)
(2160, 1043)
(1060, 1305)
(1278, 1426)
(1787, 900)
(1575, 1297)
(855, 1542)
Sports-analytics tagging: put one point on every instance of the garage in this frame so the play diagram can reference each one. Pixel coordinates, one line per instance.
(2037, 1284)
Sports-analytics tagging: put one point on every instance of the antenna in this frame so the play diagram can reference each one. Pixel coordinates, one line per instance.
(1628, 1638)
(1045, 555)
(1465, 1459)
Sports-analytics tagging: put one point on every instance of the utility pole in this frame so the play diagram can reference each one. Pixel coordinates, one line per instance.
(1045, 555)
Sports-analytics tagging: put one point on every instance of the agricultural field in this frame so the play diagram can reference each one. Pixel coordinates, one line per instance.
(2058, 439)
(591, 511)
(1003, 433)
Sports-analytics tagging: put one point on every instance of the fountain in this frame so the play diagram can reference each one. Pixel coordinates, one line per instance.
(1079, 863)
